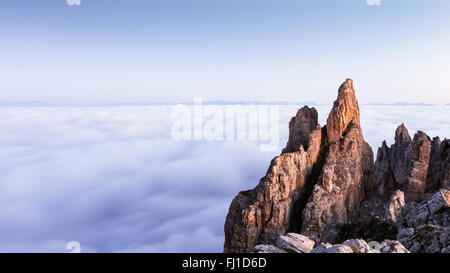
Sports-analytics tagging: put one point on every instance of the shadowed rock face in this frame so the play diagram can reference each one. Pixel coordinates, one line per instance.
(418, 168)
(326, 186)
(439, 167)
(404, 165)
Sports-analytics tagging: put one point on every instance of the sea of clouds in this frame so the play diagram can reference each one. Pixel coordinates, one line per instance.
(113, 179)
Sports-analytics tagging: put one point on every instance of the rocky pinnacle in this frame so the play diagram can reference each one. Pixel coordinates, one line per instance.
(326, 186)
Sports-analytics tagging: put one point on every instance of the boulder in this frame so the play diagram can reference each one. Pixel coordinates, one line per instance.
(358, 246)
(293, 242)
(389, 246)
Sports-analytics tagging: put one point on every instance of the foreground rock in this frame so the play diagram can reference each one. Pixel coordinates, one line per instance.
(326, 186)
(294, 242)
(389, 246)
(425, 226)
(297, 243)
(329, 248)
(267, 249)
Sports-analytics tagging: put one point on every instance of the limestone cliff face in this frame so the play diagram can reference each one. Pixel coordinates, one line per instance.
(439, 167)
(333, 157)
(345, 112)
(264, 213)
(339, 190)
(404, 165)
(326, 186)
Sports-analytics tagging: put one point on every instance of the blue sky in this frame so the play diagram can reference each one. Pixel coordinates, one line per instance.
(174, 50)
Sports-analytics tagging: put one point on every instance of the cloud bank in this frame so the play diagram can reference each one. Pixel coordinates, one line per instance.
(113, 179)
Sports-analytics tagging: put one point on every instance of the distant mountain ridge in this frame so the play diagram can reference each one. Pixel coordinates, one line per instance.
(36, 103)
(25, 103)
(405, 104)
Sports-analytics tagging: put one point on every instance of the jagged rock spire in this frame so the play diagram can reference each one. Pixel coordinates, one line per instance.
(326, 186)
(345, 111)
(277, 204)
(340, 187)
(404, 165)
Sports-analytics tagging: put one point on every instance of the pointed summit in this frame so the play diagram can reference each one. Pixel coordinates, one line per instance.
(345, 112)
(300, 128)
(401, 134)
(318, 179)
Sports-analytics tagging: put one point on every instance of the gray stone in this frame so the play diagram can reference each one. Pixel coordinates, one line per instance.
(267, 249)
(293, 242)
(388, 246)
(358, 246)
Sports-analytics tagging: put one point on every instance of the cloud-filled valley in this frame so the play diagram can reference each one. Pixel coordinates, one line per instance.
(113, 179)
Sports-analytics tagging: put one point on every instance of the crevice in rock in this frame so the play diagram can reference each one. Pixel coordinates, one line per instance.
(375, 230)
(299, 203)
(263, 227)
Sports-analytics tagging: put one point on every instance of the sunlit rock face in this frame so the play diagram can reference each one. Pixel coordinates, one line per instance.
(339, 190)
(317, 165)
(326, 186)
(262, 214)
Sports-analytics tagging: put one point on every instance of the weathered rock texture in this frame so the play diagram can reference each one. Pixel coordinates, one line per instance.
(338, 193)
(326, 186)
(293, 242)
(439, 167)
(273, 207)
(404, 165)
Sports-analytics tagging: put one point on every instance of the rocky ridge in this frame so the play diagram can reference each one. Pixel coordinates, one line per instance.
(324, 193)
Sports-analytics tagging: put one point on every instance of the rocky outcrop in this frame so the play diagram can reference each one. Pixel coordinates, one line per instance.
(328, 161)
(361, 246)
(439, 167)
(418, 168)
(300, 128)
(326, 186)
(267, 249)
(339, 190)
(394, 206)
(426, 239)
(404, 165)
(345, 112)
(350, 246)
(271, 208)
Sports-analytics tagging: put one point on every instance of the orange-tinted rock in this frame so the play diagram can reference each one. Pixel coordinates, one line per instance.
(345, 112)
(260, 215)
(418, 168)
(326, 186)
(300, 128)
(339, 190)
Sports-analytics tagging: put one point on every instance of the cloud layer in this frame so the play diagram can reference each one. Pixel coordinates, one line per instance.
(112, 178)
